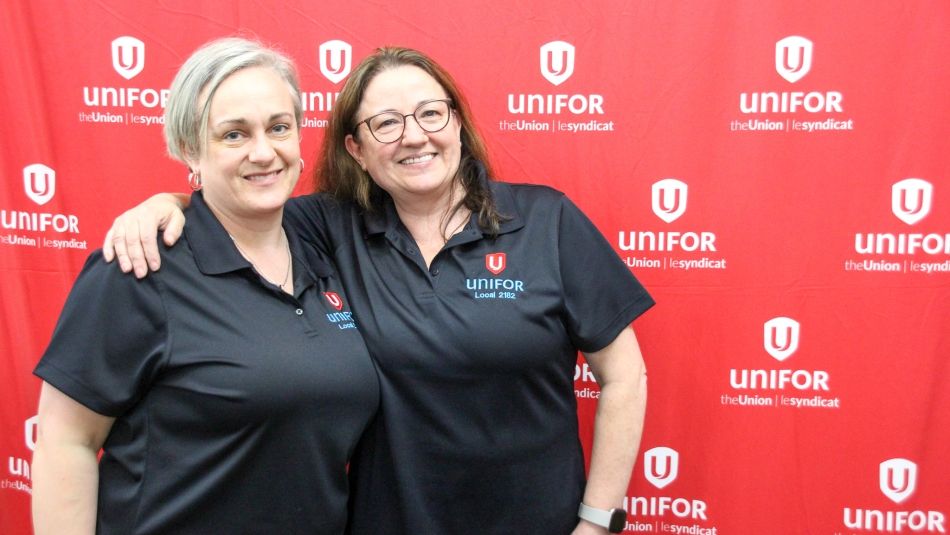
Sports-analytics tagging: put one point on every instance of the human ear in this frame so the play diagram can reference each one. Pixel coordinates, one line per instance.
(355, 150)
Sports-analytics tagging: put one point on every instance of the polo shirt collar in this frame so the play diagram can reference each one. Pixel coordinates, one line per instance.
(380, 221)
(506, 206)
(387, 219)
(215, 252)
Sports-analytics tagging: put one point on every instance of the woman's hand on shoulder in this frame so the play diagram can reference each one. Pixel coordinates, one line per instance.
(132, 238)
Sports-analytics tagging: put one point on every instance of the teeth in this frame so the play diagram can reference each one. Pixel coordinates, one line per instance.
(418, 159)
(261, 177)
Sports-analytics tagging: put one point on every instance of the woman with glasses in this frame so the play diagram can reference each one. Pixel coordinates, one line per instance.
(474, 297)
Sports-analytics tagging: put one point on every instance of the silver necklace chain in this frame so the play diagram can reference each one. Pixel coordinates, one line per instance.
(290, 260)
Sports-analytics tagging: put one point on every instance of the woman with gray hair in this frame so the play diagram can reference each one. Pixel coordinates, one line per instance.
(237, 367)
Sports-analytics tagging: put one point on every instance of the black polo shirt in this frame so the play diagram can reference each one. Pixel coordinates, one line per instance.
(477, 431)
(237, 406)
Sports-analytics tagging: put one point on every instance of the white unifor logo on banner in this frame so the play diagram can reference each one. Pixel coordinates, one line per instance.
(128, 60)
(660, 466)
(898, 479)
(669, 199)
(39, 183)
(336, 59)
(556, 65)
(793, 57)
(557, 61)
(128, 56)
(781, 337)
(911, 199)
(780, 340)
(793, 60)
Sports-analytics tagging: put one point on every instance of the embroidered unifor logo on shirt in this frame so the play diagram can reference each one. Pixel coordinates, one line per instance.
(493, 287)
(343, 320)
(334, 299)
(495, 262)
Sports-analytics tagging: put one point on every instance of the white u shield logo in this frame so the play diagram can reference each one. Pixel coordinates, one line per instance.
(898, 479)
(557, 61)
(793, 57)
(661, 466)
(336, 58)
(911, 199)
(669, 199)
(128, 56)
(781, 337)
(39, 183)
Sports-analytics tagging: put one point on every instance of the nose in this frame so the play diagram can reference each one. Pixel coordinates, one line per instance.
(261, 150)
(412, 133)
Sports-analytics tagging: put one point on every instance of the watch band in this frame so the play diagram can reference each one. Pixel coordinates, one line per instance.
(612, 519)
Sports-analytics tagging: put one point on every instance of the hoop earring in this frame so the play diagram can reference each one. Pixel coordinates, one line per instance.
(194, 180)
(302, 165)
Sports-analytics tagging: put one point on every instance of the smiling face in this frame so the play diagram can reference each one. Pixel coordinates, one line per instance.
(250, 160)
(420, 166)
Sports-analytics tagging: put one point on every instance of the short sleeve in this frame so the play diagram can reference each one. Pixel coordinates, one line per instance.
(110, 341)
(602, 296)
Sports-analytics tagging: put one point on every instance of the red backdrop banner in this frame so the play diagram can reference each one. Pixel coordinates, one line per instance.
(776, 173)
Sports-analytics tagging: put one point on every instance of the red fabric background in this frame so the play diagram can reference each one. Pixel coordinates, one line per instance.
(782, 208)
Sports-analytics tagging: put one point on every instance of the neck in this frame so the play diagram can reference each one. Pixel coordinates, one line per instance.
(262, 242)
(433, 224)
(251, 234)
(429, 218)
(271, 260)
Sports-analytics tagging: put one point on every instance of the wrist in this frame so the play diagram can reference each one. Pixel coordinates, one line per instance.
(613, 520)
(587, 528)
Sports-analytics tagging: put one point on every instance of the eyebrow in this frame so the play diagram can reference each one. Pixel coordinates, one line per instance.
(419, 103)
(243, 121)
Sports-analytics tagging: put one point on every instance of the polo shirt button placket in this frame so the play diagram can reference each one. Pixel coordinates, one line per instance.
(413, 253)
(299, 312)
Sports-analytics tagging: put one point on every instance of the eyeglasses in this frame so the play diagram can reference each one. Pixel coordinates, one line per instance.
(389, 126)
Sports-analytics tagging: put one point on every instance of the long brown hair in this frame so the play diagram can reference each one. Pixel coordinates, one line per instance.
(340, 175)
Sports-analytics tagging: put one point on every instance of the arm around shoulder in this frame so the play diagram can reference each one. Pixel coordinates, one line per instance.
(132, 237)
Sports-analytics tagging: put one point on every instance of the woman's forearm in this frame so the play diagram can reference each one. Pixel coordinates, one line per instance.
(65, 488)
(618, 427)
(65, 464)
(618, 424)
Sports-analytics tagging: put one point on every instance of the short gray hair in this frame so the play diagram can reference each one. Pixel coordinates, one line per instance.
(186, 119)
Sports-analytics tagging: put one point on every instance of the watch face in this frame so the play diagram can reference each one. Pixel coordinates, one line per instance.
(618, 520)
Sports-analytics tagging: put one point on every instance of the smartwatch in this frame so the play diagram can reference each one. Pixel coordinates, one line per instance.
(612, 519)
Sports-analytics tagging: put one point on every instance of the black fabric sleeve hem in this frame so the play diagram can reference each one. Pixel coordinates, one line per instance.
(615, 327)
(76, 390)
